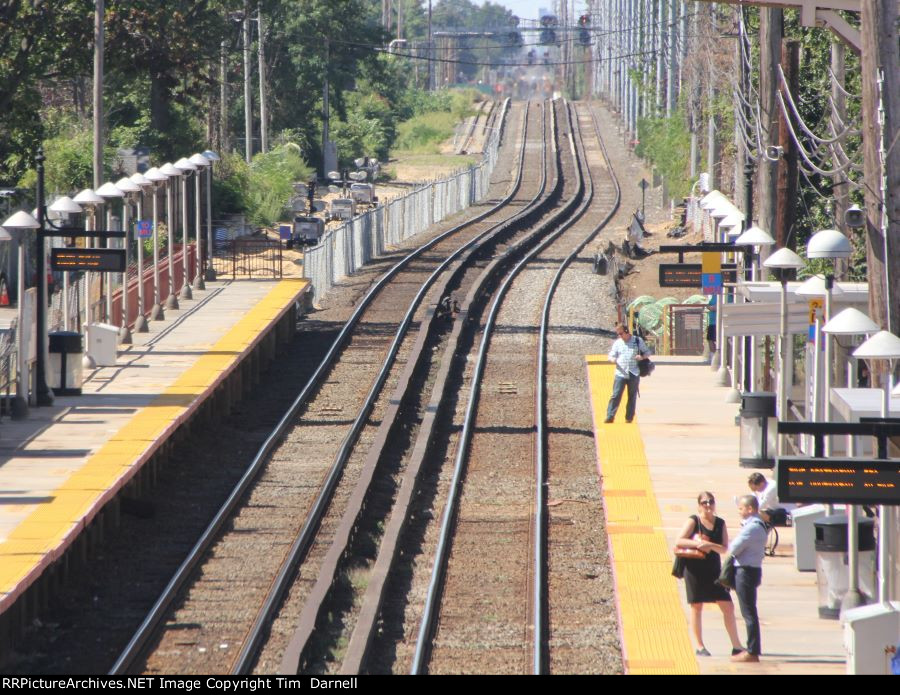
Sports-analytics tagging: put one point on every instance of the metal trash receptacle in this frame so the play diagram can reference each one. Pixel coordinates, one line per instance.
(102, 342)
(64, 369)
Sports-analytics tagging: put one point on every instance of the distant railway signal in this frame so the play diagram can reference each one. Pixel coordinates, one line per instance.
(548, 36)
(584, 37)
(584, 20)
(549, 20)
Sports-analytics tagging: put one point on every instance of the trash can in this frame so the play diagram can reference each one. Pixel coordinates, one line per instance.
(64, 369)
(832, 563)
(102, 339)
(803, 519)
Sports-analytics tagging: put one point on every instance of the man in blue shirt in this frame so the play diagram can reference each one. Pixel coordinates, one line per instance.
(626, 352)
(748, 549)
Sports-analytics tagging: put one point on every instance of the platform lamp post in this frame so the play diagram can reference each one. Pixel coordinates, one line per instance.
(187, 168)
(201, 162)
(721, 209)
(110, 192)
(830, 244)
(89, 200)
(885, 348)
(64, 207)
(156, 177)
(130, 189)
(171, 172)
(756, 238)
(783, 263)
(729, 227)
(210, 273)
(140, 321)
(851, 321)
(818, 286)
(14, 228)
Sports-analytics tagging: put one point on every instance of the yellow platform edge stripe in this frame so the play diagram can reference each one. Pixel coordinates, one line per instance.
(652, 626)
(62, 518)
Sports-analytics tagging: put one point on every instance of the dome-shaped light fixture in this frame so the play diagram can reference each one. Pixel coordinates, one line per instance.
(881, 346)
(169, 170)
(211, 156)
(88, 197)
(755, 236)
(141, 180)
(126, 185)
(66, 206)
(154, 175)
(109, 190)
(829, 243)
(850, 321)
(199, 160)
(814, 286)
(784, 259)
(185, 165)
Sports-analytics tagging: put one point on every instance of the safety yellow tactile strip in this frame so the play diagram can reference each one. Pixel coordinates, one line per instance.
(653, 627)
(43, 535)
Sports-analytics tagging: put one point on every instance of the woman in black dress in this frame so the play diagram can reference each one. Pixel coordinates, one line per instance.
(706, 532)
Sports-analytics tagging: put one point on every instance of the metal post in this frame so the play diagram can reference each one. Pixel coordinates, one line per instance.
(782, 345)
(124, 331)
(43, 394)
(20, 402)
(263, 129)
(185, 264)
(140, 321)
(156, 313)
(210, 273)
(248, 117)
(172, 300)
(198, 277)
(107, 281)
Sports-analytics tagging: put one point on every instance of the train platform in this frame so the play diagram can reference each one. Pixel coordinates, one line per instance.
(62, 469)
(683, 441)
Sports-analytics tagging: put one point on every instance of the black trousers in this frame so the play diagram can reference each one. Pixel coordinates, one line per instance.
(746, 581)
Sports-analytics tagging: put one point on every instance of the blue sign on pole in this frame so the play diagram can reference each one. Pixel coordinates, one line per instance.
(711, 283)
(144, 228)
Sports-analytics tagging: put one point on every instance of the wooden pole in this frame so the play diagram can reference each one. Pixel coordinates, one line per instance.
(787, 167)
(881, 64)
(770, 34)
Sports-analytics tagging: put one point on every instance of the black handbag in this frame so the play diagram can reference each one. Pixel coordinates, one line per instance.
(646, 367)
(726, 576)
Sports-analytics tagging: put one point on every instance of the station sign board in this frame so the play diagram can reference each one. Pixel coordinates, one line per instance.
(96, 260)
(691, 274)
(838, 480)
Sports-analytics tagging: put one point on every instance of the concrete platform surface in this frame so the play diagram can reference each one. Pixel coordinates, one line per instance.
(60, 465)
(687, 435)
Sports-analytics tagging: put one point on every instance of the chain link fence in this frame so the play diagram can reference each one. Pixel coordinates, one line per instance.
(344, 249)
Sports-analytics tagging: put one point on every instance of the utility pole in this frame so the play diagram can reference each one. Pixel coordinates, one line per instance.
(223, 100)
(98, 93)
(881, 163)
(430, 52)
(840, 190)
(325, 114)
(248, 105)
(671, 48)
(770, 35)
(787, 167)
(263, 127)
(661, 38)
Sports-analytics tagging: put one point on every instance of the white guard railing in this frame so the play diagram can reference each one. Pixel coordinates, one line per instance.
(344, 249)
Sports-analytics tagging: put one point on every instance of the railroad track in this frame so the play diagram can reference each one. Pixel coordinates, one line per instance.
(322, 426)
(366, 620)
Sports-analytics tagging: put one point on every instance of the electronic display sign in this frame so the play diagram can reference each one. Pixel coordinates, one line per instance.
(691, 274)
(837, 480)
(97, 260)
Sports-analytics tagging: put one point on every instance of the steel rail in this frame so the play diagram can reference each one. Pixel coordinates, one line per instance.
(307, 534)
(179, 579)
(328, 571)
(435, 587)
(540, 601)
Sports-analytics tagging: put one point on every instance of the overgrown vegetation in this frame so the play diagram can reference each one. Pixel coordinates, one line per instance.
(666, 143)
(162, 89)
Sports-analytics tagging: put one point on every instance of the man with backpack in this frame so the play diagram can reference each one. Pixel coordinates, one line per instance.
(626, 352)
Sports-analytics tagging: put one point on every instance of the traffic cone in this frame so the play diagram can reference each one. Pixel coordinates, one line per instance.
(4, 295)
